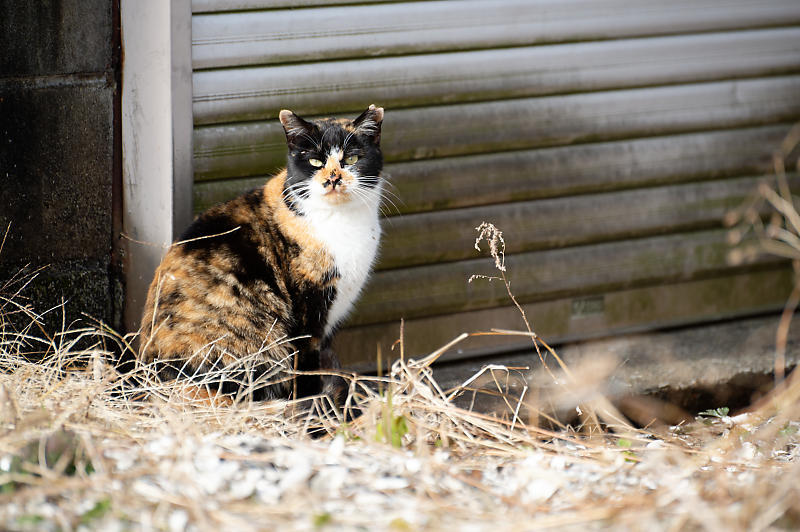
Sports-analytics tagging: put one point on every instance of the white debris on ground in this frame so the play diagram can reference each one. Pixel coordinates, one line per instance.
(246, 482)
(79, 452)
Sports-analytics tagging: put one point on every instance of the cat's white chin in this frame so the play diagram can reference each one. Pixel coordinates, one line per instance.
(337, 197)
(348, 225)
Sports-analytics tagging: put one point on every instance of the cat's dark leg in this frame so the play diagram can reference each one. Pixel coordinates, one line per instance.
(337, 387)
(333, 386)
(307, 385)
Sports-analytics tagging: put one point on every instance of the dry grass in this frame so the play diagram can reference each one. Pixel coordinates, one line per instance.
(80, 448)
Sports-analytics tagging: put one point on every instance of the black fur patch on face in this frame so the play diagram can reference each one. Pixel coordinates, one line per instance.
(315, 140)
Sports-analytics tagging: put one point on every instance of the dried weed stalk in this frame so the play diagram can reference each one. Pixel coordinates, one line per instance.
(778, 235)
(601, 407)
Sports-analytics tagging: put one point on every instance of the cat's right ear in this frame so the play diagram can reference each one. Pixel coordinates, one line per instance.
(368, 123)
(294, 127)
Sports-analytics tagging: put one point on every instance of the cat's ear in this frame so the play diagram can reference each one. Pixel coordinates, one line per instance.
(294, 127)
(368, 123)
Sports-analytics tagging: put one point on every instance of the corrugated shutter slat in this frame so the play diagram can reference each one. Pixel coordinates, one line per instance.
(561, 222)
(258, 93)
(445, 131)
(400, 28)
(549, 172)
(605, 137)
(442, 288)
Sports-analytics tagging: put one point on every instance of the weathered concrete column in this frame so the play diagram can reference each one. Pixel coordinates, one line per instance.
(156, 138)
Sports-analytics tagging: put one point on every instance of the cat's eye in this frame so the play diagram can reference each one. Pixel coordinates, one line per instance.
(315, 162)
(351, 159)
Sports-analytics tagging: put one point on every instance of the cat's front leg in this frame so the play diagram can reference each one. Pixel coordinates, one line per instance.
(333, 386)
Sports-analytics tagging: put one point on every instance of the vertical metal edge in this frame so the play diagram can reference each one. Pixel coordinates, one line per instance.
(182, 117)
(156, 129)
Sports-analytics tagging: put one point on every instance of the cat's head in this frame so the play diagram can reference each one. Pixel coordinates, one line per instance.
(334, 162)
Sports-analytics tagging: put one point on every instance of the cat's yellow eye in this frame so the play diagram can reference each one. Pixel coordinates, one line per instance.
(315, 162)
(351, 159)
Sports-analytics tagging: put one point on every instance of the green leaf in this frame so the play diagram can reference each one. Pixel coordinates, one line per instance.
(31, 519)
(98, 510)
(400, 524)
(320, 520)
(716, 412)
(399, 429)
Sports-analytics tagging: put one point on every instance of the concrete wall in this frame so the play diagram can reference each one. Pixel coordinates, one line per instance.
(58, 161)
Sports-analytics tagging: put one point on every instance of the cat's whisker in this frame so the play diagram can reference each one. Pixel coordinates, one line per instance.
(388, 194)
(366, 187)
(383, 197)
(359, 194)
(386, 199)
(389, 189)
(291, 191)
(288, 193)
(316, 143)
(372, 192)
(326, 133)
(380, 179)
(388, 181)
(347, 140)
(386, 212)
(295, 186)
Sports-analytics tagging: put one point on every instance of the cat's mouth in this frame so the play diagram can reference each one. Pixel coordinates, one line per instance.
(335, 187)
(336, 195)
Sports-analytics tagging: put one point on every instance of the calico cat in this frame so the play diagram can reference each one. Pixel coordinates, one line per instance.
(255, 288)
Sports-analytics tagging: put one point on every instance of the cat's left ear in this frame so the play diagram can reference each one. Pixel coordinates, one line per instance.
(368, 123)
(294, 127)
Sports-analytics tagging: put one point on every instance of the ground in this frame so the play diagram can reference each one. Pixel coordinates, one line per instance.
(79, 449)
(82, 447)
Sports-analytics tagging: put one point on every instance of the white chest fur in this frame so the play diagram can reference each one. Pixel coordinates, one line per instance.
(351, 233)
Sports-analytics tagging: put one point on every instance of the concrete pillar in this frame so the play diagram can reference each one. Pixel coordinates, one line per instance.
(156, 138)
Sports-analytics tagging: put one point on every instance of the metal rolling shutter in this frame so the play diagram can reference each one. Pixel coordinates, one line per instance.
(606, 138)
